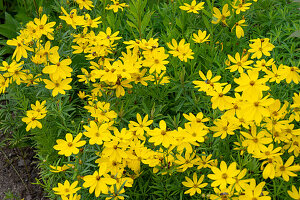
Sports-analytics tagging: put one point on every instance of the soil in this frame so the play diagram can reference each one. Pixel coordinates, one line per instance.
(13, 169)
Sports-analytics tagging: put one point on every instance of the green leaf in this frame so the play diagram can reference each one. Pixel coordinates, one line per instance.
(146, 20)
(131, 24)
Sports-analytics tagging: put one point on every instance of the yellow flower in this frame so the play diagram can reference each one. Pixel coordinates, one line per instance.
(156, 60)
(255, 142)
(58, 86)
(87, 4)
(195, 185)
(97, 134)
(251, 85)
(32, 120)
(59, 69)
(72, 19)
(238, 28)
(260, 47)
(57, 169)
(255, 109)
(241, 6)
(161, 135)
(97, 183)
(141, 125)
(218, 16)
(188, 161)
(116, 6)
(254, 191)
(294, 193)
(21, 48)
(291, 74)
(224, 126)
(42, 28)
(224, 175)
(219, 99)
(286, 170)
(66, 189)
(201, 37)
(81, 94)
(71, 197)
(4, 82)
(69, 146)
(194, 7)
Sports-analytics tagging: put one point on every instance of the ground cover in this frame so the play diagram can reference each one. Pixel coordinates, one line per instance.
(156, 99)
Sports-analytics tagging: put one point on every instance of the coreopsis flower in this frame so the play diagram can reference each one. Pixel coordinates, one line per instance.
(160, 79)
(70, 145)
(49, 54)
(81, 94)
(255, 142)
(15, 72)
(240, 183)
(254, 191)
(263, 65)
(156, 60)
(42, 28)
(196, 119)
(141, 125)
(87, 4)
(270, 155)
(66, 188)
(97, 182)
(238, 28)
(286, 170)
(57, 169)
(204, 161)
(32, 120)
(295, 194)
(195, 185)
(275, 74)
(240, 6)
(21, 48)
(201, 37)
(223, 193)
(148, 45)
(291, 74)
(93, 23)
(58, 86)
(72, 19)
(59, 69)
(219, 99)
(115, 149)
(224, 175)
(194, 7)
(260, 47)
(4, 82)
(224, 127)
(97, 134)
(116, 6)
(251, 85)
(188, 161)
(255, 108)
(39, 108)
(197, 131)
(182, 50)
(161, 135)
(218, 16)
(296, 107)
(120, 85)
(71, 197)
(208, 82)
(293, 145)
